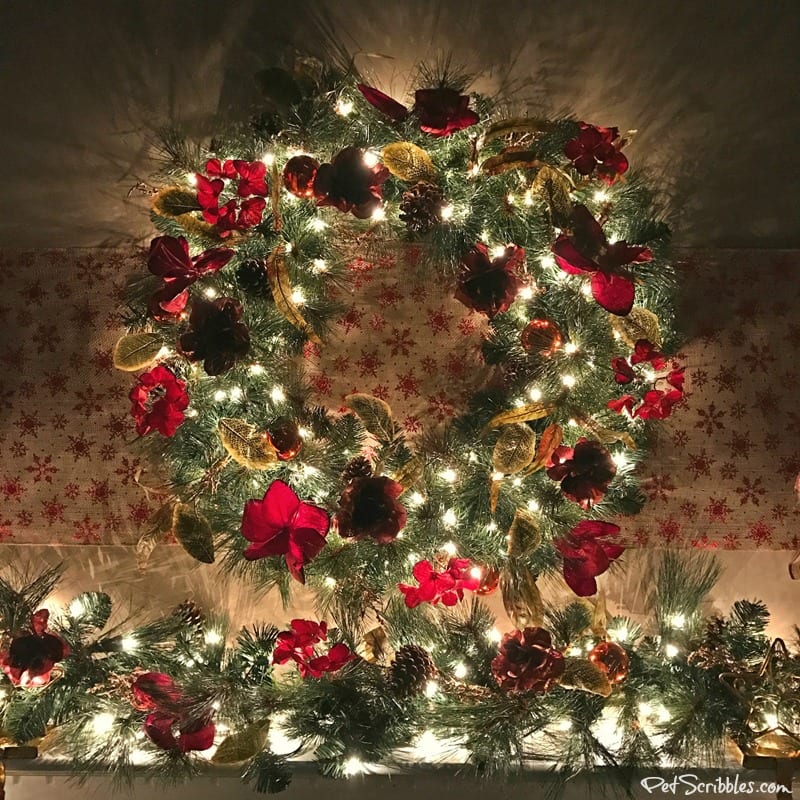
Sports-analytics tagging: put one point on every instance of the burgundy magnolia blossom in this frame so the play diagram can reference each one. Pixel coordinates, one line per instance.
(587, 554)
(586, 249)
(350, 184)
(158, 402)
(441, 111)
(169, 259)
(584, 471)
(246, 208)
(283, 525)
(597, 148)
(447, 587)
(298, 645)
(217, 337)
(369, 507)
(31, 656)
(167, 725)
(527, 662)
(490, 285)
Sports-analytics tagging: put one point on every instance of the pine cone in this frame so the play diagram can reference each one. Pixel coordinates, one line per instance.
(359, 467)
(191, 614)
(421, 207)
(411, 669)
(713, 651)
(252, 277)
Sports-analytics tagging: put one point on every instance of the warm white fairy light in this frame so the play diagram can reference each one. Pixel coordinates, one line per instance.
(533, 505)
(77, 608)
(564, 725)
(191, 413)
(474, 170)
(344, 107)
(491, 527)
(649, 375)
(476, 573)
(510, 199)
(305, 433)
(526, 293)
(277, 394)
(494, 635)
(256, 369)
(330, 582)
(548, 261)
(618, 634)
(535, 394)
(498, 251)
(620, 459)
(379, 214)
(317, 224)
(568, 381)
(353, 765)
(450, 548)
(220, 395)
(664, 716)
(191, 179)
(519, 402)
(448, 475)
(370, 158)
(645, 709)
(431, 688)
(129, 644)
(416, 499)
(288, 247)
(572, 422)
(586, 290)
(319, 265)
(516, 482)
(446, 212)
(574, 652)
(102, 723)
(671, 650)
(570, 348)
(412, 558)
(298, 298)
(485, 237)
(528, 198)
(449, 517)
(460, 671)
(212, 637)
(678, 621)
(498, 476)
(268, 159)
(236, 393)
(601, 196)
(210, 292)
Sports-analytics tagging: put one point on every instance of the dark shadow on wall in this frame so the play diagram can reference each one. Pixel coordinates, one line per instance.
(709, 86)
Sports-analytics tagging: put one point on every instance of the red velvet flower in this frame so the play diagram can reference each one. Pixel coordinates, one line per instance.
(622, 370)
(298, 645)
(597, 148)
(490, 285)
(527, 662)
(656, 403)
(585, 471)
(587, 554)
(31, 656)
(169, 259)
(443, 111)
(158, 402)
(168, 725)
(626, 403)
(447, 587)
(645, 351)
(246, 208)
(369, 507)
(350, 184)
(283, 525)
(385, 104)
(217, 337)
(586, 249)
(155, 690)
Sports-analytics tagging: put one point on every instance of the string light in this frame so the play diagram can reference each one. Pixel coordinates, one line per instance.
(446, 212)
(678, 621)
(449, 517)
(535, 394)
(344, 107)
(564, 725)
(330, 582)
(191, 179)
(76, 608)
(494, 635)
(572, 422)
(570, 348)
(269, 159)
(499, 251)
(379, 214)
(416, 499)
(474, 170)
(277, 394)
(353, 765)
(498, 476)
(601, 196)
(236, 393)
(476, 573)
(317, 224)
(103, 723)
(460, 671)
(526, 293)
(212, 637)
(510, 199)
(568, 381)
(618, 634)
(220, 395)
(548, 261)
(256, 369)
(288, 247)
(620, 459)
(450, 548)
(533, 505)
(370, 158)
(671, 651)
(586, 290)
(528, 198)
(298, 298)
(319, 265)
(210, 292)
(448, 475)
(431, 688)
(129, 644)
